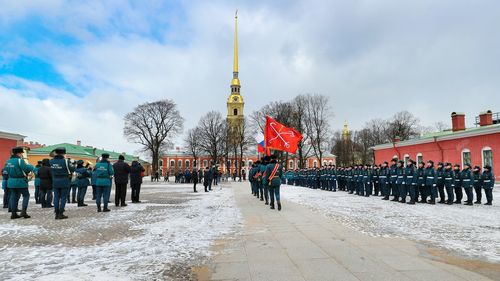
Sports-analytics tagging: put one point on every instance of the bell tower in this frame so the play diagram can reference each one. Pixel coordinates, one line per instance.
(235, 102)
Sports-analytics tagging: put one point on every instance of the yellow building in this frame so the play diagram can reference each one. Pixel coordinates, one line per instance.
(235, 103)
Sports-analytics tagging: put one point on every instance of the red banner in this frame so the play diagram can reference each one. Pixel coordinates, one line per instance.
(279, 137)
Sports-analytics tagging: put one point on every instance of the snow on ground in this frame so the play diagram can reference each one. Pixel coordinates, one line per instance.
(472, 231)
(171, 226)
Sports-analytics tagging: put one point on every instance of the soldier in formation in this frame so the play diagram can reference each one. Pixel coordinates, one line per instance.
(405, 182)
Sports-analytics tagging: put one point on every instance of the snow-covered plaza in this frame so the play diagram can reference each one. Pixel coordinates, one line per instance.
(227, 234)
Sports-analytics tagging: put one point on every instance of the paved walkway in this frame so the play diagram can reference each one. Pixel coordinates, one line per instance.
(298, 244)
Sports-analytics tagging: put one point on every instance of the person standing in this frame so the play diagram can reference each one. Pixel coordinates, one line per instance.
(430, 182)
(18, 171)
(440, 182)
(265, 185)
(401, 192)
(449, 183)
(37, 182)
(122, 171)
(136, 174)
(384, 181)
(45, 176)
(82, 182)
(61, 171)
(466, 177)
(206, 179)
(393, 173)
(251, 179)
(6, 192)
(410, 182)
(476, 176)
(458, 184)
(274, 173)
(194, 178)
(488, 181)
(104, 172)
(420, 183)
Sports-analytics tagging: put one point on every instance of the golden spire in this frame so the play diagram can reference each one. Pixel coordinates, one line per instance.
(345, 131)
(236, 80)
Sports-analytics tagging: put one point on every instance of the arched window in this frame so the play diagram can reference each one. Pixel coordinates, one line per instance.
(172, 164)
(487, 156)
(315, 164)
(465, 157)
(161, 163)
(419, 158)
(179, 164)
(290, 164)
(406, 158)
(188, 164)
(235, 111)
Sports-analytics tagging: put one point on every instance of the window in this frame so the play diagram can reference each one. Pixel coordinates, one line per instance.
(407, 157)
(235, 111)
(161, 163)
(205, 163)
(187, 164)
(465, 157)
(420, 158)
(487, 155)
(179, 164)
(250, 163)
(315, 164)
(290, 164)
(331, 162)
(172, 163)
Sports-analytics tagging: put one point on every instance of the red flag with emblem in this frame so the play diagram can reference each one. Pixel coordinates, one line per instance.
(280, 137)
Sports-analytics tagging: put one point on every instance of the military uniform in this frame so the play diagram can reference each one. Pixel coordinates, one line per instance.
(274, 173)
(265, 187)
(400, 182)
(411, 183)
(393, 173)
(449, 183)
(37, 182)
(104, 171)
(476, 178)
(466, 177)
(384, 181)
(488, 181)
(82, 182)
(61, 171)
(17, 182)
(420, 183)
(458, 185)
(440, 182)
(430, 183)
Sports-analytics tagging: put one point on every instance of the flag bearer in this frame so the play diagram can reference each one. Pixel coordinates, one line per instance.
(274, 173)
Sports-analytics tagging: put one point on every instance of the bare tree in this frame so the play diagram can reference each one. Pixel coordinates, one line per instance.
(441, 126)
(343, 148)
(318, 114)
(244, 140)
(193, 143)
(213, 135)
(299, 115)
(403, 125)
(151, 124)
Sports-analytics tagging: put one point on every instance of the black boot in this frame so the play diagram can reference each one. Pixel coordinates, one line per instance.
(441, 201)
(402, 201)
(489, 203)
(57, 217)
(449, 202)
(412, 202)
(24, 214)
(14, 216)
(468, 203)
(62, 216)
(385, 198)
(477, 202)
(99, 209)
(432, 202)
(279, 206)
(106, 209)
(396, 199)
(272, 206)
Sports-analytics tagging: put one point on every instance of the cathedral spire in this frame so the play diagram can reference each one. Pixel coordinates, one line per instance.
(236, 80)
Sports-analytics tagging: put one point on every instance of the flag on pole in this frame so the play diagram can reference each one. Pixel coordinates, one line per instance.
(280, 137)
(261, 144)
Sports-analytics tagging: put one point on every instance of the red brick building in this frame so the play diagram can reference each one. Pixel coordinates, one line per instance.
(7, 142)
(477, 145)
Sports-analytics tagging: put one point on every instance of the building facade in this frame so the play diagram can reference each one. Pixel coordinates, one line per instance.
(7, 142)
(477, 145)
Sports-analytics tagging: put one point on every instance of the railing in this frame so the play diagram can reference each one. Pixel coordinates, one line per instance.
(495, 117)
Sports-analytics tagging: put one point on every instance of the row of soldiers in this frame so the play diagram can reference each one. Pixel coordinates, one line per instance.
(55, 174)
(265, 178)
(420, 182)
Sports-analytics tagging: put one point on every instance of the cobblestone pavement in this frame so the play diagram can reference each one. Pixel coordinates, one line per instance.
(161, 238)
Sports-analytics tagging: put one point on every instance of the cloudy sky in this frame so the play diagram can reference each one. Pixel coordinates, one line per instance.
(70, 70)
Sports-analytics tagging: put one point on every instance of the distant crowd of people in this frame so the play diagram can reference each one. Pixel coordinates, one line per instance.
(411, 183)
(60, 180)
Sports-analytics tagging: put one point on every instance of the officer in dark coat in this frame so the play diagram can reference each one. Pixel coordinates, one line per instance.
(18, 171)
(476, 177)
(430, 182)
(37, 182)
(449, 183)
(82, 182)
(440, 182)
(45, 175)
(393, 173)
(466, 176)
(122, 171)
(458, 184)
(194, 178)
(384, 181)
(61, 171)
(488, 181)
(136, 171)
(206, 178)
(265, 187)
(410, 182)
